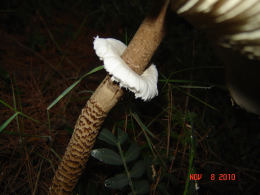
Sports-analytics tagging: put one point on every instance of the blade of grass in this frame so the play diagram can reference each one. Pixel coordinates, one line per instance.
(126, 168)
(66, 91)
(198, 99)
(22, 114)
(145, 131)
(143, 127)
(197, 68)
(43, 157)
(178, 81)
(191, 157)
(27, 135)
(196, 87)
(56, 154)
(28, 117)
(164, 110)
(37, 179)
(6, 123)
(168, 79)
(7, 105)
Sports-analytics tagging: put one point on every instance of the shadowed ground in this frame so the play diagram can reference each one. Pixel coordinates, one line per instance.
(45, 48)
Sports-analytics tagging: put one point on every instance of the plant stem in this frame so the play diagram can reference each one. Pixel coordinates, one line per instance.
(126, 169)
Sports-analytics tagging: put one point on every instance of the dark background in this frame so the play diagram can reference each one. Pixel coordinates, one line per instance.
(45, 46)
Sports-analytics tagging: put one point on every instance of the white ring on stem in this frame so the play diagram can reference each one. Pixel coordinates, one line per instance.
(109, 51)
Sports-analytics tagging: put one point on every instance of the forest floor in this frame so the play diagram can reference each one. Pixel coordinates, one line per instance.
(42, 57)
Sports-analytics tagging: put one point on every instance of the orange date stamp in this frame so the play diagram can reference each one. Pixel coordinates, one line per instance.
(214, 177)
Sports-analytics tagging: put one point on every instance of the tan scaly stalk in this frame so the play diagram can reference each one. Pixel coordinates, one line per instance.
(137, 56)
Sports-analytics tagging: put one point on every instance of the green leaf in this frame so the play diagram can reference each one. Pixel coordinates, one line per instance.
(121, 136)
(4, 125)
(141, 187)
(132, 153)
(108, 137)
(117, 182)
(107, 156)
(138, 169)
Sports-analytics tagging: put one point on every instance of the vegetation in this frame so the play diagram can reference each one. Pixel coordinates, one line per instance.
(49, 70)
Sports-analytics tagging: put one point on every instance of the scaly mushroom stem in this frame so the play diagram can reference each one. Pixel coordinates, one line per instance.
(137, 56)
